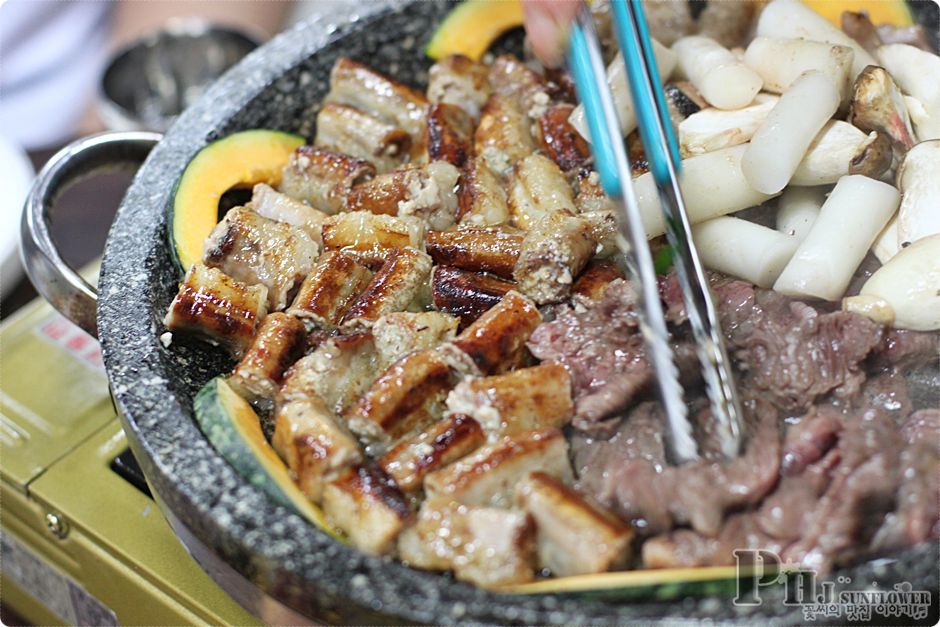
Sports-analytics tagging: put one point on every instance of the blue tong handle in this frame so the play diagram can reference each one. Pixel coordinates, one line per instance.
(647, 93)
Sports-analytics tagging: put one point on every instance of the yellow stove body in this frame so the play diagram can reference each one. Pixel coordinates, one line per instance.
(80, 543)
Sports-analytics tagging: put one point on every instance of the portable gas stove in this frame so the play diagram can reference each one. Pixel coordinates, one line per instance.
(83, 543)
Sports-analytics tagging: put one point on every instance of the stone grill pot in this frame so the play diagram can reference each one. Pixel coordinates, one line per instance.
(280, 567)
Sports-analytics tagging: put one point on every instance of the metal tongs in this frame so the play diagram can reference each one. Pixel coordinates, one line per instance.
(662, 153)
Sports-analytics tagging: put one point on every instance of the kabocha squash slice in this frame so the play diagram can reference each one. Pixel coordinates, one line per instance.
(234, 429)
(473, 26)
(242, 159)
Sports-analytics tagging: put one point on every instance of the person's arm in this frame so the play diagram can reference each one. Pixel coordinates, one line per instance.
(134, 18)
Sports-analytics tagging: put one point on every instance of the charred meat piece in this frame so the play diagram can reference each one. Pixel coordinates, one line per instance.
(256, 250)
(481, 197)
(338, 371)
(408, 396)
(371, 237)
(466, 295)
(272, 204)
(574, 536)
(216, 307)
(496, 340)
(403, 282)
(280, 341)
(358, 86)
(322, 178)
(476, 250)
(485, 546)
(367, 505)
(348, 130)
(538, 187)
(502, 138)
(399, 333)
(552, 255)
(450, 134)
(593, 282)
(315, 446)
(330, 290)
(459, 81)
(441, 444)
(560, 141)
(522, 400)
(488, 476)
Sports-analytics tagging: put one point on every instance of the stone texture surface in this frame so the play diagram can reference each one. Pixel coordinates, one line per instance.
(279, 86)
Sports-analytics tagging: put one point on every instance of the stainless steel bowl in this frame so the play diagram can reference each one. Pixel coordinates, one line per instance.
(151, 81)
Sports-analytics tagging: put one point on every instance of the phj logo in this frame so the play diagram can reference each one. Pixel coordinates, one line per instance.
(759, 570)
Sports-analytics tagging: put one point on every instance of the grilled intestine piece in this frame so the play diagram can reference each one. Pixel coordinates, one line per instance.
(538, 187)
(338, 372)
(560, 141)
(450, 134)
(403, 282)
(443, 443)
(502, 138)
(358, 86)
(512, 78)
(484, 546)
(553, 252)
(365, 503)
(591, 196)
(476, 250)
(457, 80)
(322, 178)
(481, 197)
(522, 400)
(495, 342)
(426, 192)
(399, 333)
(371, 237)
(488, 476)
(315, 446)
(409, 395)
(330, 290)
(348, 130)
(466, 294)
(216, 307)
(593, 282)
(575, 537)
(269, 203)
(256, 250)
(280, 341)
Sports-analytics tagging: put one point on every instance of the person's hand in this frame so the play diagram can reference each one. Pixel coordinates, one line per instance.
(547, 23)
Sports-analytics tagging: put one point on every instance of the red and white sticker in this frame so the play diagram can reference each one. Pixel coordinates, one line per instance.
(66, 335)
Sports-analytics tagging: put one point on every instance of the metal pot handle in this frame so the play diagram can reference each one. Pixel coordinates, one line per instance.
(54, 279)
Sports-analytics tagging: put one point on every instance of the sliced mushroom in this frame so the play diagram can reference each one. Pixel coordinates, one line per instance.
(877, 105)
(833, 152)
(713, 129)
(905, 292)
(917, 73)
(919, 182)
